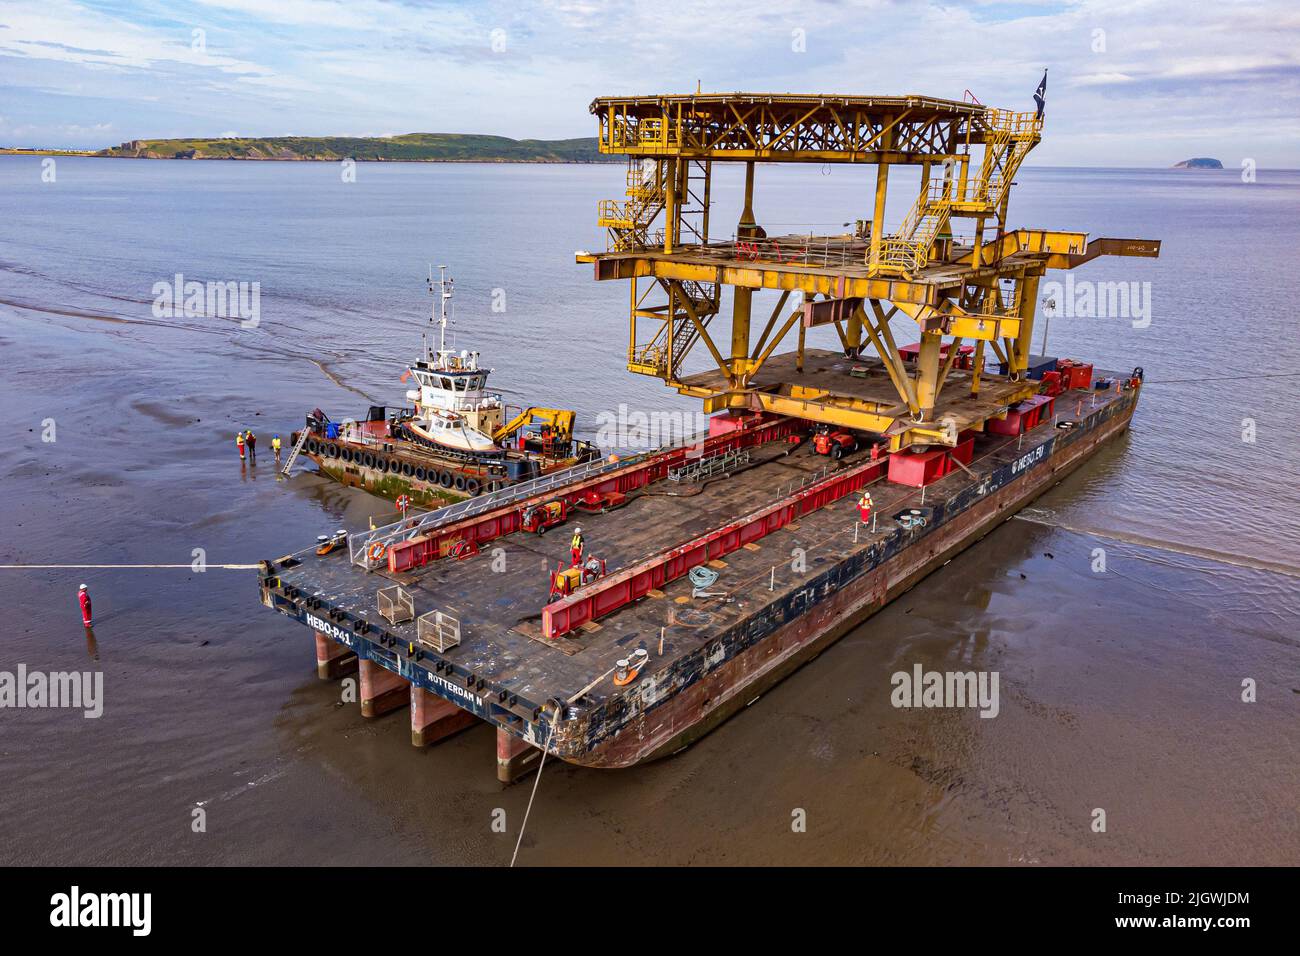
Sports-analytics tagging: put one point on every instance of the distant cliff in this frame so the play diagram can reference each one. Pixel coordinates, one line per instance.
(1199, 163)
(412, 147)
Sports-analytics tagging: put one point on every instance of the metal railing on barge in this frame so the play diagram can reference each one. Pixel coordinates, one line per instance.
(361, 546)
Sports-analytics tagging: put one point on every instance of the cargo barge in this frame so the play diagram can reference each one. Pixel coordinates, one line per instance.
(828, 482)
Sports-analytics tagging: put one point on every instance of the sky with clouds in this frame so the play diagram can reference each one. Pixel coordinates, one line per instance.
(1132, 83)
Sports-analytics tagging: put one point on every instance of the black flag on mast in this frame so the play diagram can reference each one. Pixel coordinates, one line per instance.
(1040, 95)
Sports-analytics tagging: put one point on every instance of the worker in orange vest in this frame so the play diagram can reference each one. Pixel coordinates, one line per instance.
(575, 546)
(864, 507)
(83, 596)
(239, 443)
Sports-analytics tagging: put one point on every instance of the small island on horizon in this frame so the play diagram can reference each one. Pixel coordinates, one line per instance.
(1200, 162)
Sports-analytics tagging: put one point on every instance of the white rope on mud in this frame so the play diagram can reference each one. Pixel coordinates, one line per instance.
(536, 780)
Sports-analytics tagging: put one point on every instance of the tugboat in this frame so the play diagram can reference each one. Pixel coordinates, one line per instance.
(452, 442)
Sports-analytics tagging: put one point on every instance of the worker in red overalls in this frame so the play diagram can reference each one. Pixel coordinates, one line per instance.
(84, 597)
(575, 547)
(239, 443)
(864, 507)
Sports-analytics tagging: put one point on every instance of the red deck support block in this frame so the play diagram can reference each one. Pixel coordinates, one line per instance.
(965, 450)
(917, 469)
(434, 719)
(1012, 424)
(515, 756)
(1023, 416)
(333, 659)
(965, 355)
(382, 691)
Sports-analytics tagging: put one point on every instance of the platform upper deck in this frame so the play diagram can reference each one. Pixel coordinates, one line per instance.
(791, 127)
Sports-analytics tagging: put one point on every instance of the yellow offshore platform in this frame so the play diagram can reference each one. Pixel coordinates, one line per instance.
(979, 286)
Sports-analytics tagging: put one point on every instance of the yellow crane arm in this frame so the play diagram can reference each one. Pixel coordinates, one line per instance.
(560, 419)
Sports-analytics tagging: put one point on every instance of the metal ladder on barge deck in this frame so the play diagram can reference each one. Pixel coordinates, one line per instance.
(293, 455)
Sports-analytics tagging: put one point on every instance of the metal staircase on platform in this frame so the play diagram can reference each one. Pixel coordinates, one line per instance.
(651, 358)
(1007, 139)
(628, 222)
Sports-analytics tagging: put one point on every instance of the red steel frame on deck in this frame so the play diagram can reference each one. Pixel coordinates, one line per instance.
(630, 584)
(426, 548)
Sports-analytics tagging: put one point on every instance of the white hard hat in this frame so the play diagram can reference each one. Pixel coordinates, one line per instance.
(577, 531)
(82, 588)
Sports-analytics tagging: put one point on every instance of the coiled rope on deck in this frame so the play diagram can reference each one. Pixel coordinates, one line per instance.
(703, 578)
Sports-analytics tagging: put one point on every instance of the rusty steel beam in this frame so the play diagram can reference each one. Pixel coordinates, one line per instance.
(826, 311)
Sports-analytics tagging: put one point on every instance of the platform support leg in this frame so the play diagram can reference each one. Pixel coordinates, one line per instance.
(333, 659)
(515, 757)
(382, 691)
(434, 719)
(927, 373)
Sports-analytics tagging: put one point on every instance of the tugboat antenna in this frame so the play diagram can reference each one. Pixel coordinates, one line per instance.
(445, 287)
(439, 312)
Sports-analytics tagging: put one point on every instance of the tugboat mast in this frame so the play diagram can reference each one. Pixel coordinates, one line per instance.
(445, 288)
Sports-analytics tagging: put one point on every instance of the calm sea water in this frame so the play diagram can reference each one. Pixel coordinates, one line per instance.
(1120, 690)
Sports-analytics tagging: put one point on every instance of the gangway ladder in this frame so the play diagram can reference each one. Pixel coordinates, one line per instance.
(293, 455)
